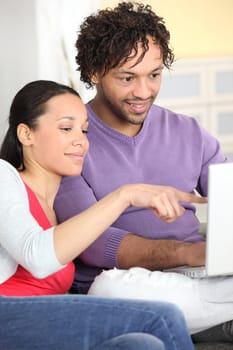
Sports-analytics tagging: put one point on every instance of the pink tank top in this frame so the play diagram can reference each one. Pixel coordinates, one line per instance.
(22, 283)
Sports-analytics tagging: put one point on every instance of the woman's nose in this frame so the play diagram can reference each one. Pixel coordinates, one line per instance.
(77, 143)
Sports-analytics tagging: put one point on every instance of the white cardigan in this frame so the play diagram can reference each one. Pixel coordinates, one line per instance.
(22, 240)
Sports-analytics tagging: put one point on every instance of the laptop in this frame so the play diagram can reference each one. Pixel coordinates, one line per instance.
(219, 235)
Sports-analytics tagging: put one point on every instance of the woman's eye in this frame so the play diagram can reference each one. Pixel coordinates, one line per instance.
(85, 131)
(66, 129)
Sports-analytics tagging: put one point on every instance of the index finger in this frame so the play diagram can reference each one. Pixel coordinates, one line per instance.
(191, 198)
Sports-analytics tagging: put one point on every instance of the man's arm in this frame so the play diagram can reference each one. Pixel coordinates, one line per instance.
(117, 247)
(158, 254)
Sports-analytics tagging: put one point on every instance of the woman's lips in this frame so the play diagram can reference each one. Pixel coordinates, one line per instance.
(75, 156)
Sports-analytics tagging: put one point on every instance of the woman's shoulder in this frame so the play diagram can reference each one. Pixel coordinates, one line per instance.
(10, 178)
(6, 166)
(8, 169)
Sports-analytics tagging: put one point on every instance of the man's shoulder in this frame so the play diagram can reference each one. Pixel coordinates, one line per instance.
(165, 115)
(162, 111)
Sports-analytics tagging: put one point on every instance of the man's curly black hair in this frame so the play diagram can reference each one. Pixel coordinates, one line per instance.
(108, 38)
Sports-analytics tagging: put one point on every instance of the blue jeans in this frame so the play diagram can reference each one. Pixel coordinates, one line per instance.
(81, 322)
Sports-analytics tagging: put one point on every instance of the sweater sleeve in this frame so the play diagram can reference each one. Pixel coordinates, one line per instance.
(103, 252)
(212, 154)
(21, 237)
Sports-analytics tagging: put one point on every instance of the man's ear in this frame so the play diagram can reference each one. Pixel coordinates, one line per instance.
(24, 134)
(95, 78)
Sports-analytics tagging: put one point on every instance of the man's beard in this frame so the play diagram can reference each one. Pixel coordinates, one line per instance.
(132, 118)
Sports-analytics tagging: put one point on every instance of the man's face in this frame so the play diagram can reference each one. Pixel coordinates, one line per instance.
(126, 93)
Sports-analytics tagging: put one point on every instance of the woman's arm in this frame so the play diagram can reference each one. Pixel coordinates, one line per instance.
(22, 240)
(76, 234)
(43, 252)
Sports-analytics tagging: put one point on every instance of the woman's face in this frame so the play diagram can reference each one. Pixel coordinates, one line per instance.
(59, 143)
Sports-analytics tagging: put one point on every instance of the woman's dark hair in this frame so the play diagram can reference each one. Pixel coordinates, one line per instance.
(27, 106)
(106, 39)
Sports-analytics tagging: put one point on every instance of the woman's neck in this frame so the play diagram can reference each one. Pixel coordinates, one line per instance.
(45, 186)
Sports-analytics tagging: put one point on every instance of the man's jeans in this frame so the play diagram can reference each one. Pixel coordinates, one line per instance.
(80, 322)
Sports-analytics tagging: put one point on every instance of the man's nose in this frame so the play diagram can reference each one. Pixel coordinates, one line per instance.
(142, 90)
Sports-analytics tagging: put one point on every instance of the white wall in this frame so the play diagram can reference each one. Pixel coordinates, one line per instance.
(18, 57)
(32, 34)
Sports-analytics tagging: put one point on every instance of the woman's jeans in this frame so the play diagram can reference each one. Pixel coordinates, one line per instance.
(80, 322)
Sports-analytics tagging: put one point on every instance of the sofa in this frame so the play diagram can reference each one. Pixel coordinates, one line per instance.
(213, 346)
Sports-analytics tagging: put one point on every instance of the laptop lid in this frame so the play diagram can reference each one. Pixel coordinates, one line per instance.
(219, 254)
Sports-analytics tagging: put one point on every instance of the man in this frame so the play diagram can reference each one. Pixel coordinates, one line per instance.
(133, 140)
(122, 52)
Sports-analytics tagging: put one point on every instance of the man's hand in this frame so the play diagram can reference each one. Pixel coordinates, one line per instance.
(159, 254)
(192, 254)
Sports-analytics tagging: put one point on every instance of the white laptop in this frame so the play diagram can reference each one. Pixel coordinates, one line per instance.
(219, 236)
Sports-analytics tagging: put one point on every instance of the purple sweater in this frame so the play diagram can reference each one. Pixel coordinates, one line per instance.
(171, 149)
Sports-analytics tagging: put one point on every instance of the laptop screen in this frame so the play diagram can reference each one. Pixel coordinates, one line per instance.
(219, 259)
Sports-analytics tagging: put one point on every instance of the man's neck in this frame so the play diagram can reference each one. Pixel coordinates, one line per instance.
(103, 113)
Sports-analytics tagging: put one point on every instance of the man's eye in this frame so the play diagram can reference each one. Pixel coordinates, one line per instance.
(155, 75)
(126, 79)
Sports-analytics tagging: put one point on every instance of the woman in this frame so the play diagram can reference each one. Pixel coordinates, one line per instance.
(46, 140)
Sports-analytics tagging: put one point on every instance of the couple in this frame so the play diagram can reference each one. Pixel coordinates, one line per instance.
(38, 256)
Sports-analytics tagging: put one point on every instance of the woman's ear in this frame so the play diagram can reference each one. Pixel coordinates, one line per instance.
(24, 134)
